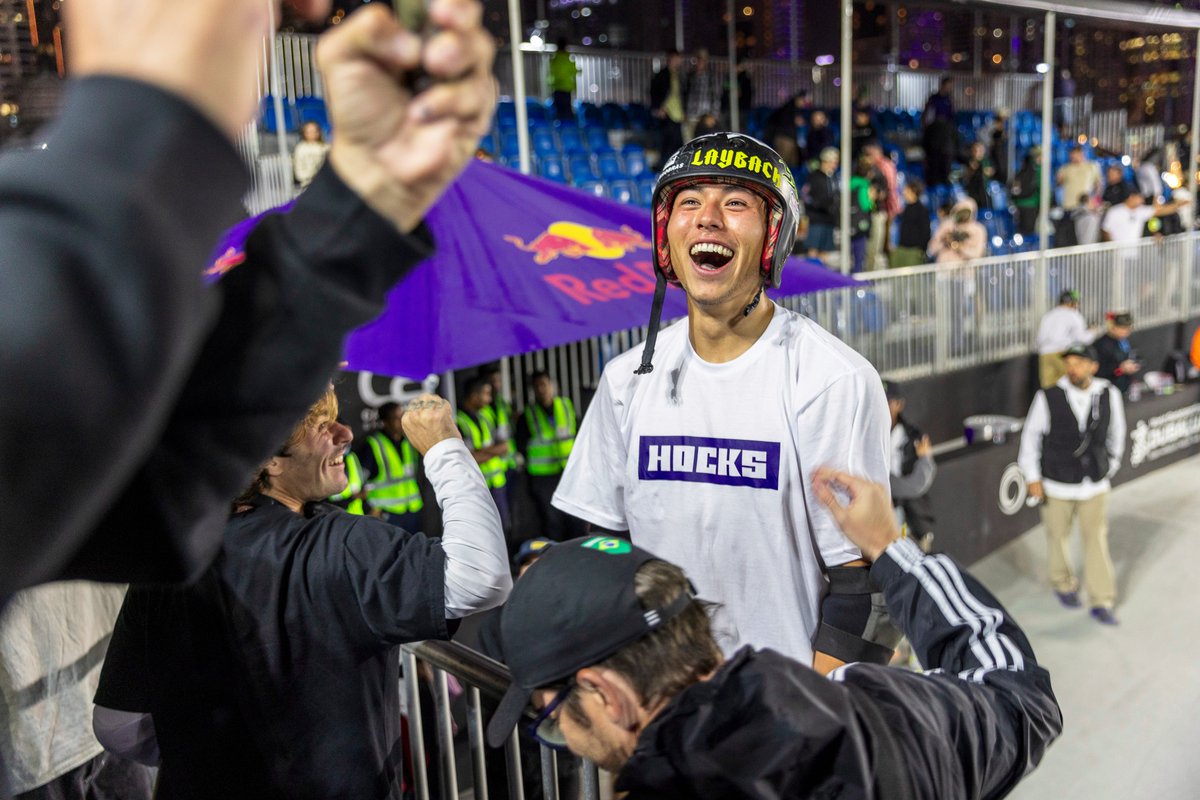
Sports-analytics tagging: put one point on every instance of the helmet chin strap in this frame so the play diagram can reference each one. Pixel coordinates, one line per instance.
(753, 304)
(660, 291)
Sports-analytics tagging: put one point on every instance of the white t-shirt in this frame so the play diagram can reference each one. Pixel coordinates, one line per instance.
(709, 466)
(1125, 224)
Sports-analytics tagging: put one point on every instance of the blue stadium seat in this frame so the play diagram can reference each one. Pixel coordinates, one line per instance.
(615, 117)
(597, 139)
(639, 116)
(506, 114)
(590, 115)
(645, 184)
(553, 169)
(542, 140)
(291, 119)
(623, 191)
(610, 166)
(572, 140)
(582, 169)
(509, 145)
(488, 142)
(592, 187)
(635, 160)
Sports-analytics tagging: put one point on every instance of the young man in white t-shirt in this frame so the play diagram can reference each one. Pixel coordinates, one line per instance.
(706, 456)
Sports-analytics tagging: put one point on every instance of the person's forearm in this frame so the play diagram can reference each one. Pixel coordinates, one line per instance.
(477, 572)
(310, 276)
(952, 621)
(103, 309)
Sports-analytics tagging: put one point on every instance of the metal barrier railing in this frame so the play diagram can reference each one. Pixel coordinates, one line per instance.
(481, 677)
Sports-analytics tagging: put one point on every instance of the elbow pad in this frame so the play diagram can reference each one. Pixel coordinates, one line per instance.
(855, 625)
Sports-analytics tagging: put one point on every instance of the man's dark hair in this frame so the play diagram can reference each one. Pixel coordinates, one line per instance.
(916, 186)
(1077, 148)
(561, 44)
(667, 661)
(476, 384)
(387, 409)
(534, 377)
(1068, 296)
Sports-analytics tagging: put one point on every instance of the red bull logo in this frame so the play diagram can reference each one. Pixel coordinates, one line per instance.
(227, 261)
(573, 240)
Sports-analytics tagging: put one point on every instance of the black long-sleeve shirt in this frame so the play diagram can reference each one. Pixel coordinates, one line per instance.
(767, 727)
(139, 400)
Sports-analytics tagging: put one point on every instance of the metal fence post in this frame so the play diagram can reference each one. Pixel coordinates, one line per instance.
(445, 727)
(549, 774)
(416, 742)
(475, 728)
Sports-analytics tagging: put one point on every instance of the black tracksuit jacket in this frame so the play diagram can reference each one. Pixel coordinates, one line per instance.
(770, 728)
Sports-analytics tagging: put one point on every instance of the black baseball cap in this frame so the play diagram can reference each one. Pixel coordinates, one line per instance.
(1068, 296)
(574, 608)
(893, 390)
(1122, 319)
(1082, 350)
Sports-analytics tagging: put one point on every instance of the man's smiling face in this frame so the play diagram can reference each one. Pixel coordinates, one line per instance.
(716, 235)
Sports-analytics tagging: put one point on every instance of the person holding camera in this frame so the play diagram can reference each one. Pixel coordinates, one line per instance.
(960, 237)
(1118, 361)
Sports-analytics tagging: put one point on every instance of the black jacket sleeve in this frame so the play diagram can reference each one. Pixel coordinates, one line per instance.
(1111, 357)
(310, 277)
(984, 688)
(102, 308)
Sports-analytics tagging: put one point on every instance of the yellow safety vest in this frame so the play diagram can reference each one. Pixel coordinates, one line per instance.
(499, 416)
(354, 485)
(550, 444)
(495, 469)
(394, 487)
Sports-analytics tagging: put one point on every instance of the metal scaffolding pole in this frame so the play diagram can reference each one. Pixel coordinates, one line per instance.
(847, 122)
(1194, 134)
(1047, 134)
(734, 102)
(518, 67)
(679, 25)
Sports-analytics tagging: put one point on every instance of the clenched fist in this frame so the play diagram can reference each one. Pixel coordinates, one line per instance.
(427, 421)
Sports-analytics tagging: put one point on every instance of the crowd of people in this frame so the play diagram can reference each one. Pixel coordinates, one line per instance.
(732, 542)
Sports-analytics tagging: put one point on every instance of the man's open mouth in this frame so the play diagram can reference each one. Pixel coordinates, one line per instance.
(340, 461)
(710, 255)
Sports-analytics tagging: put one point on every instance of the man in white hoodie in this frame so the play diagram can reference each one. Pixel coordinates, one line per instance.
(1071, 446)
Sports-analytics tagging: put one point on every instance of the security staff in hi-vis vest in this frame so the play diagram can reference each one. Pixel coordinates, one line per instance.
(353, 496)
(500, 414)
(547, 434)
(393, 491)
(489, 453)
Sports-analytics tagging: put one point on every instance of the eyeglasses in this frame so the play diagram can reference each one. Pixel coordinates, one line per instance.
(545, 729)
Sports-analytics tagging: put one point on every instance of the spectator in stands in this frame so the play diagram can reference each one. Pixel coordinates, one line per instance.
(939, 138)
(564, 74)
(821, 200)
(277, 673)
(1128, 221)
(546, 434)
(668, 102)
(1062, 327)
(819, 138)
(913, 242)
(977, 172)
(1071, 446)
(1148, 176)
(1064, 103)
(1117, 361)
(708, 123)
(703, 91)
(862, 132)
(488, 450)
(166, 392)
(960, 237)
(52, 643)
(309, 154)
(1116, 188)
(1085, 219)
(786, 126)
(619, 661)
(886, 196)
(912, 472)
(997, 141)
(500, 414)
(1027, 188)
(863, 185)
(394, 466)
(1079, 178)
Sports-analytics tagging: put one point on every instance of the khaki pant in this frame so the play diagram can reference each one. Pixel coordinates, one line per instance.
(1051, 367)
(1099, 578)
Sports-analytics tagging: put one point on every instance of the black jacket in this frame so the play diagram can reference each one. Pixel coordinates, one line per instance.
(821, 198)
(770, 728)
(914, 227)
(1112, 354)
(660, 89)
(161, 394)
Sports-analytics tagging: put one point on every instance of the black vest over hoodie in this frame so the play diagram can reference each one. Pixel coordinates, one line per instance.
(1069, 455)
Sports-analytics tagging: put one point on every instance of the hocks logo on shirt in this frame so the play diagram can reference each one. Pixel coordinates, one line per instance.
(699, 459)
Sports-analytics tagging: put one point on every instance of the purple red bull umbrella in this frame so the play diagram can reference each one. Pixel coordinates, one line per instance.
(522, 264)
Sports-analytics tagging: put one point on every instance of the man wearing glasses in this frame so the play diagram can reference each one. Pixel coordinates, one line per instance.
(617, 659)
